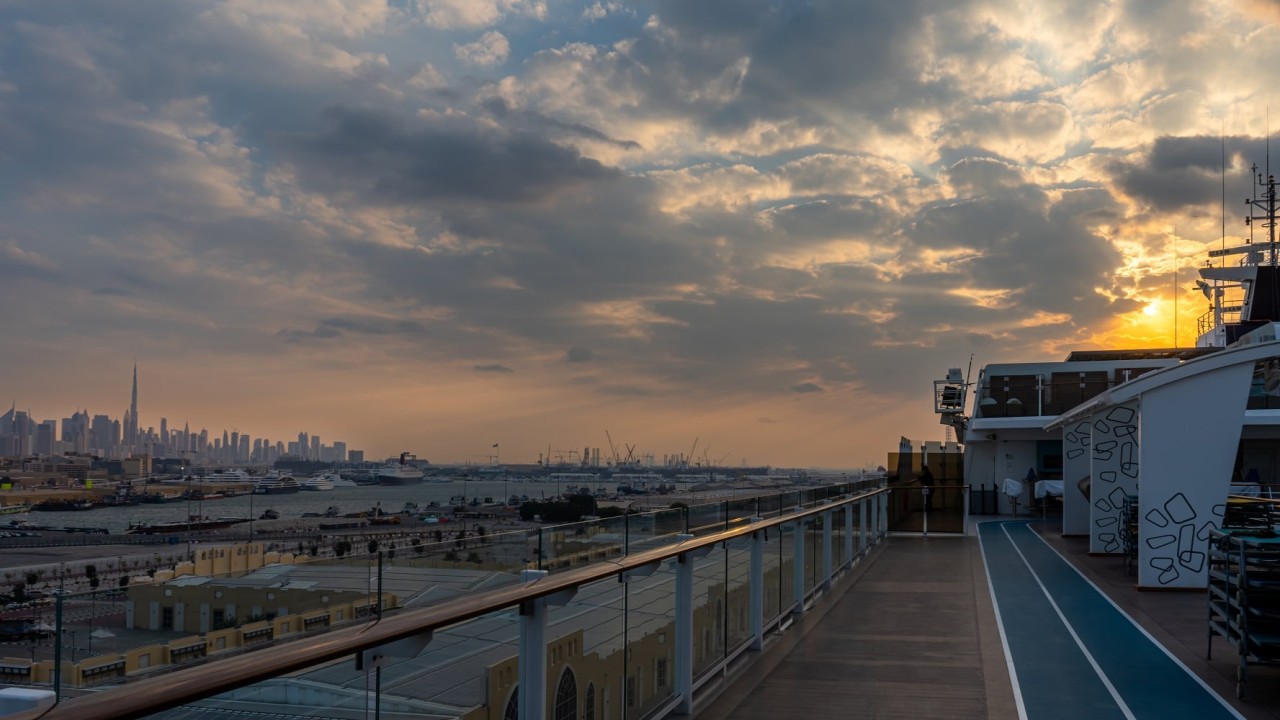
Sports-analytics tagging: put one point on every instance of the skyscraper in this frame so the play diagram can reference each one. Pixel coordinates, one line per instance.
(131, 429)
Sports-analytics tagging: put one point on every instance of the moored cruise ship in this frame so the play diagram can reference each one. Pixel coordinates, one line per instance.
(277, 485)
(401, 473)
(321, 482)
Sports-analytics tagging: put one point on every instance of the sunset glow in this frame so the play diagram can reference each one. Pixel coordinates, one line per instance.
(438, 225)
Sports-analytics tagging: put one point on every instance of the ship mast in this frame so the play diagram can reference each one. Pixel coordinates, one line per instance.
(1263, 209)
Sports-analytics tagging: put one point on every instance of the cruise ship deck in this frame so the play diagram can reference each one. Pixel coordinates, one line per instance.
(915, 634)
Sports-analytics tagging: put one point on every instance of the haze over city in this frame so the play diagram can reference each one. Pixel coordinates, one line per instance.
(436, 225)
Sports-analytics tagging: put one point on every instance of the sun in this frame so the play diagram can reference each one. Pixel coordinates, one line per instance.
(1152, 309)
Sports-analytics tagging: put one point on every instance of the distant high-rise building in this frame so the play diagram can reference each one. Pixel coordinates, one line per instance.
(355, 456)
(131, 428)
(304, 445)
(243, 452)
(164, 431)
(339, 451)
(100, 434)
(46, 436)
(315, 448)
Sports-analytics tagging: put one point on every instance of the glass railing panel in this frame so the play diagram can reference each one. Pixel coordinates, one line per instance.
(222, 601)
(657, 528)
(585, 642)
(706, 518)
(426, 572)
(464, 667)
(812, 552)
(710, 608)
(940, 509)
(773, 574)
(738, 580)
(946, 514)
(644, 679)
(771, 504)
(568, 545)
(786, 562)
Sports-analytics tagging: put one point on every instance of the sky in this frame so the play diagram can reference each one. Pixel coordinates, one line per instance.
(436, 225)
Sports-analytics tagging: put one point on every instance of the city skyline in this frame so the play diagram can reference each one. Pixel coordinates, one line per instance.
(23, 432)
(430, 226)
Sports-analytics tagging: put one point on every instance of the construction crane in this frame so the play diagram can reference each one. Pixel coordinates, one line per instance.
(689, 460)
(613, 449)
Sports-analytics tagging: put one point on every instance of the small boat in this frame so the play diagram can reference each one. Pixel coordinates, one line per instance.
(194, 523)
(269, 514)
(62, 505)
(151, 498)
(15, 509)
(410, 508)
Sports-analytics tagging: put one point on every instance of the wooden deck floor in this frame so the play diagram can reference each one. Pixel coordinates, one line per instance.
(915, 636)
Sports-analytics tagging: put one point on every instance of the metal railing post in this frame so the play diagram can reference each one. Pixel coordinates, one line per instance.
(57, 650)
(848, 536)
(684, 630)
(863, 531)
(533, 652)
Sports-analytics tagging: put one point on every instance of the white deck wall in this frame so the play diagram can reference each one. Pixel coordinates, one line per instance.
(1114, 470)
(1191, 430)
(1076, 456)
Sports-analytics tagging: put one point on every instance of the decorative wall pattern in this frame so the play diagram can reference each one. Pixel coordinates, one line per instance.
(1076, 478)
(1113, 473)
(1191, 434)
(1178, 537)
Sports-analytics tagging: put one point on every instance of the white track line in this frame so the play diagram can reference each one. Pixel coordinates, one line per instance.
(1200, 681)
(1004, 641)
(1115, 695)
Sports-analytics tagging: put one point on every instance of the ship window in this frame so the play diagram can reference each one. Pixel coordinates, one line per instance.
(566, 707)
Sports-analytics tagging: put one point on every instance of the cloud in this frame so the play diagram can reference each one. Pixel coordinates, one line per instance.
(490, 48)
(380, 158)
(707, 202)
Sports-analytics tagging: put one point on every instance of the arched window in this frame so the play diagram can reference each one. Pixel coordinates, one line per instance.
(512, 712)
(566, 707)
(589, 707)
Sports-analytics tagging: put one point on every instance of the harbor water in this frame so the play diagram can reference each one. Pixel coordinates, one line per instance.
(391, 499)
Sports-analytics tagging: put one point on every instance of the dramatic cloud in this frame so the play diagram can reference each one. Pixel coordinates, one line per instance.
(768, 225)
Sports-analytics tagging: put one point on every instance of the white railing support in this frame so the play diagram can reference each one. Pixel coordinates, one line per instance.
(848, 536)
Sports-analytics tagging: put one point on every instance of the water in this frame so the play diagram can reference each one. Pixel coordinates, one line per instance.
(293, 505)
